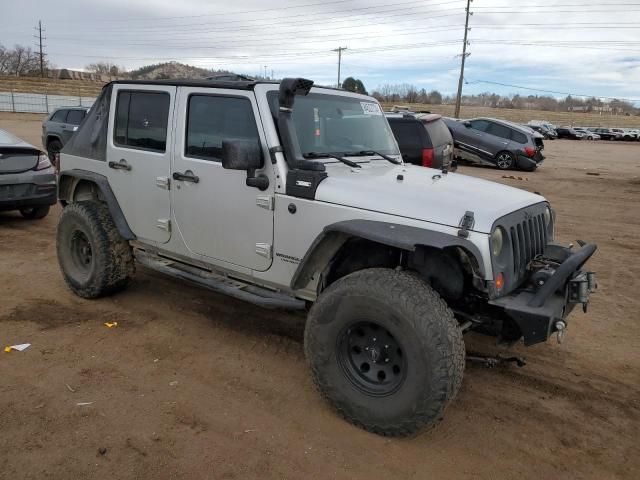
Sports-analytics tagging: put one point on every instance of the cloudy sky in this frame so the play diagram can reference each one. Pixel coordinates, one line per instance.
(575, 46)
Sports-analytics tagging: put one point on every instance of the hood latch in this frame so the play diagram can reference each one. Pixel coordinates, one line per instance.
(466, 223)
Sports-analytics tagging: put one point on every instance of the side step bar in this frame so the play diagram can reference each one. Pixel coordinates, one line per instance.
(219, 283)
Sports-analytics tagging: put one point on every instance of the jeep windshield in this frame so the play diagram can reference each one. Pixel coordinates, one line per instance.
(337, 124)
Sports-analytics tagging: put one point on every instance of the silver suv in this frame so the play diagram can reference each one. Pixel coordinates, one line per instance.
(58, 128)
(292, 196)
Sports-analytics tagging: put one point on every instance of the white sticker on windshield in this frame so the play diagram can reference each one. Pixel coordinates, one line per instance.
(370, 108)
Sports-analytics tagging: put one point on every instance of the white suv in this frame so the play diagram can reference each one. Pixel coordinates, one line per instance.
(290, 196)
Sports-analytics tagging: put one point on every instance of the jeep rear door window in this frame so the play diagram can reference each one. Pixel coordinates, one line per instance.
(212, 119)
(75, 117)
(339, 124)
(60, 116)
(141, 120)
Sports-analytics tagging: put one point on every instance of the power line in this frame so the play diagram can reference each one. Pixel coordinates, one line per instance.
(286, 19)
(472, 82)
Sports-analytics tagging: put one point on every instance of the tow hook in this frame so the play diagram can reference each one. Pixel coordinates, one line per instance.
(561, 328)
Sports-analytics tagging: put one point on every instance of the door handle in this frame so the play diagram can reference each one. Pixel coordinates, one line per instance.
(187, 176)
(121, 165)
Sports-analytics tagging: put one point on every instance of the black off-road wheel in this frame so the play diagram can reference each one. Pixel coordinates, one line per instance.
(385, 350)
(95, 260)
(35, 213)
(505, 160)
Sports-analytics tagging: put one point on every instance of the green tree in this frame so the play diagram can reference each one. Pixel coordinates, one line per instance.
(349, 84)
(360, 87)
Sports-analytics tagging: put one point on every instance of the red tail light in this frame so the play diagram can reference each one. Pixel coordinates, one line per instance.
(427, 157)
(530, 151)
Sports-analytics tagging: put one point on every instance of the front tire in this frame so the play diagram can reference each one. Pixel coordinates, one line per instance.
(35, 213)
(385, 350)
(505, 160)
(95, 260)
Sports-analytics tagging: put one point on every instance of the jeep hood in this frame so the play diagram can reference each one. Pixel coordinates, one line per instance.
(422, 194)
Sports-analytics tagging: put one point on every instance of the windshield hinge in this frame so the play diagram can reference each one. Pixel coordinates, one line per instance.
(466, 223)
(273, 151)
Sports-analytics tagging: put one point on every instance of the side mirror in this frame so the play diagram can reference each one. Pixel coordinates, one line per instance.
(467, 123)
(238, 154)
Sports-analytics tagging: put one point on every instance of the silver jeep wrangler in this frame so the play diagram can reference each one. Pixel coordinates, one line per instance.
(292, 196)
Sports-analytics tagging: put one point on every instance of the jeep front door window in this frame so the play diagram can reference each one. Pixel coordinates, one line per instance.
(212, 119)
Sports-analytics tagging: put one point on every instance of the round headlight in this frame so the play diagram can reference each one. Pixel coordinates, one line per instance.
(547, 217)
(497, 241)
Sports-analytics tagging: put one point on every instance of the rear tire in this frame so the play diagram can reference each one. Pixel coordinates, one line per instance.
(35, 213)
(95, 260)
(385, 350)
(505, 160)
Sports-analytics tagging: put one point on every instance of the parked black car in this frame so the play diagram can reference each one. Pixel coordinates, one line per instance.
(424, 139)
(568, 132)
(605, 133)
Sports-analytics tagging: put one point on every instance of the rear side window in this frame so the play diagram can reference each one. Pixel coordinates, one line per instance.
(439, 133)
(141, 120)
(518, 137)
(499, 130)
(407, 134)
(212, 119)
(75, 117)
(60, 116)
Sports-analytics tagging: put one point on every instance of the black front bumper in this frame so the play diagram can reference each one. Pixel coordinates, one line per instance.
(541, 312)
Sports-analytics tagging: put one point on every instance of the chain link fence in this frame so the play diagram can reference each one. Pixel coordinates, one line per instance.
(11, 101)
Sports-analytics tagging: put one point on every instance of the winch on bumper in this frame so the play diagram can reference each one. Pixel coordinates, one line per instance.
(556, 285)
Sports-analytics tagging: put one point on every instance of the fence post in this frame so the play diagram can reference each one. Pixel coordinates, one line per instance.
(46, 100)
(79, 98)
(13, 102)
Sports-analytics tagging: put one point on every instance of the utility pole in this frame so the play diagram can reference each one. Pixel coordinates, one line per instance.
(265, 72)
(464, 57)
(40, 38)
(339, 50)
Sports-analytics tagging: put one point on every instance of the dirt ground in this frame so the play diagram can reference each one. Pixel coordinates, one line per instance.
(195, 385)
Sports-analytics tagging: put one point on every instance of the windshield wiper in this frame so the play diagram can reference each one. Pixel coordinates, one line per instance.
(386, 157)
(332, 155)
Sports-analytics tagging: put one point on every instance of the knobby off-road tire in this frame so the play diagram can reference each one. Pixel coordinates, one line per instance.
(379, 314)
(95, 260)
(35, 213)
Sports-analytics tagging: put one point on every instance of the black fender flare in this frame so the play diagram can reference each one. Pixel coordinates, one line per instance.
(69, 179)
(405, 237)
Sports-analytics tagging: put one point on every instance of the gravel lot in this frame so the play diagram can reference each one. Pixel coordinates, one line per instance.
(195, 385)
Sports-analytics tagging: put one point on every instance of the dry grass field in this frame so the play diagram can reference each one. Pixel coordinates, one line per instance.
(523, 116)
(195, 385)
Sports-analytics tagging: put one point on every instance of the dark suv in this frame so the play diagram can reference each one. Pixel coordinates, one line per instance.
(423, 138)
(59, 126)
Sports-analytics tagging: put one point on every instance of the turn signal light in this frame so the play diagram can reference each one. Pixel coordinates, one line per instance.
(500, 281)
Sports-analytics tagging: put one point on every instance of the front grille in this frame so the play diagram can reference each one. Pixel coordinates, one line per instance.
(528, 239)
